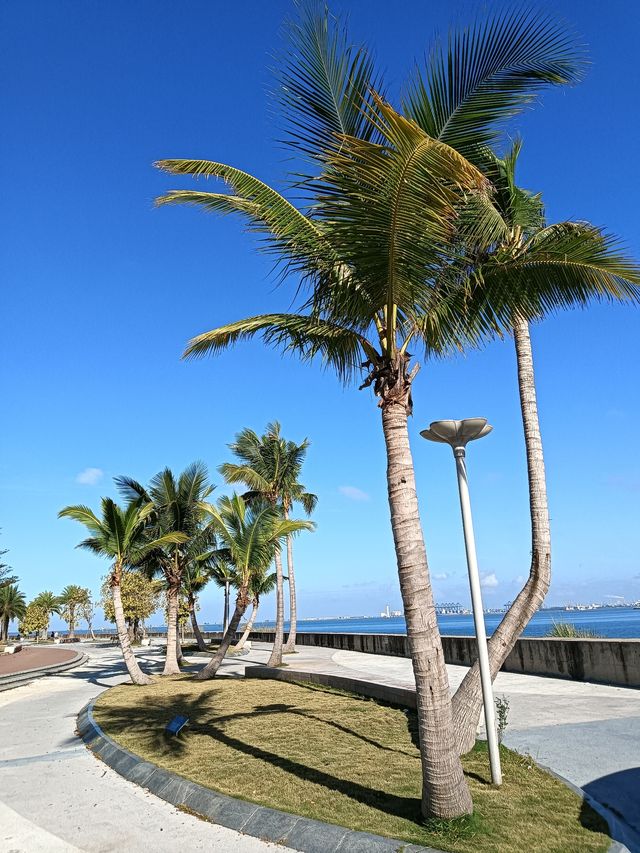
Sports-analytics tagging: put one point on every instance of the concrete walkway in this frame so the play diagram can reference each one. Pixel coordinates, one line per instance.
(56, 797)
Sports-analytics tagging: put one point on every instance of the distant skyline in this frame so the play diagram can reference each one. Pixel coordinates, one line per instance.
(102, 291)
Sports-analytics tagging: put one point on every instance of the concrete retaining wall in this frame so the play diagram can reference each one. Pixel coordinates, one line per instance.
(606, 661)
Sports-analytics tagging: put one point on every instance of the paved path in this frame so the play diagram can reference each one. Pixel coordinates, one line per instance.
(32, 657)
(56, 797)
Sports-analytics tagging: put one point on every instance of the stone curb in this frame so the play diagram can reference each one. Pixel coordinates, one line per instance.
(17, 679)
(289, 830)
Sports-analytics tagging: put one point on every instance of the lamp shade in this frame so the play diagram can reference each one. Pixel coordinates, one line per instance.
(457, 433)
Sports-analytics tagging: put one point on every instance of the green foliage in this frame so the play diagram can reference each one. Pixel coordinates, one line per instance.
(35, 619)
(13, 605)
(71, 599)
(141, 597)
(47, 600)
(502, 714)
(571, 632)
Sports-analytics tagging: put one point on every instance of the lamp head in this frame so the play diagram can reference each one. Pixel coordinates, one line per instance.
(457, 433)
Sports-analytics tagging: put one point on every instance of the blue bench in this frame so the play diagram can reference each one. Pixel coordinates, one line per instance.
(176, 725)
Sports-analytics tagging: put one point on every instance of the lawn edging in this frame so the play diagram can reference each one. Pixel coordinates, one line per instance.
(26, 676)
(289, 830)
(407, 698)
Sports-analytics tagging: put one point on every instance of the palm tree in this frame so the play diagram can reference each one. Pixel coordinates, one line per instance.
(121, 536)
(49, 602)
(384, 214)
(197, 575)
(248, 534)
(223, 575)
(270, 467)
(178, 507)
(260, 585)
(551, 266)
(13, 605)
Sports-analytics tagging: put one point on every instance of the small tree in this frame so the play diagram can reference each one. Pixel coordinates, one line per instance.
(86, 611)
(12, 606)
(50, 603)
(35, 620)
(72, 598)
(140, 598)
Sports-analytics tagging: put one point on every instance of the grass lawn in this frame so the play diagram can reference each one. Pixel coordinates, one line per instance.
(342, 759)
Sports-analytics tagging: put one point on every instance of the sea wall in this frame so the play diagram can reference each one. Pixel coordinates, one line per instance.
(605, 661)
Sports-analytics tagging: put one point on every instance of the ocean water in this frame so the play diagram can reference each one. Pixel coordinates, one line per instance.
(608, 622)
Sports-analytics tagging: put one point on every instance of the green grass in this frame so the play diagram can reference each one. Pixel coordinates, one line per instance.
(343, 759)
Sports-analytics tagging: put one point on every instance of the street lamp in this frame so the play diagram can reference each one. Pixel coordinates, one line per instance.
(457, 434)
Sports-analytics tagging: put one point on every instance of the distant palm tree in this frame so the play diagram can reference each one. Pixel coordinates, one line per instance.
(198, 574)
(223, 575)
(178, 507)
(49, 602)
(260, 585)
(121, 536)
(13, 605)
(270, 467)
(248, 535)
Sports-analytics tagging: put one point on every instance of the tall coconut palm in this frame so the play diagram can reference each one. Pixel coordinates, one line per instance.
(178, 507)
(260, 585)
(270, 467)
(550, 266)
(13, 605)
(121, 536)
(49, 602)
(248, 535)
(384, 215)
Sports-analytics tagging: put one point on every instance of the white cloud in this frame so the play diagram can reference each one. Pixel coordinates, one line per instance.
(353, 493)
(440, 576)
(89, 477)
(489, 580)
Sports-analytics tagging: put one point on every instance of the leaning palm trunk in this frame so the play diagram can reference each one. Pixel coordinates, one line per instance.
(225, 618)
(135, 673)
(444, 790)
(278, 639)
(467, 702)
(212, 667)
(171, 661)
(179, 655)
(290, 645)
(197, 633)
(249, 628)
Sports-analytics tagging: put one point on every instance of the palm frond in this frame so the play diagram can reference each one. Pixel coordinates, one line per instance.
(489, 73)
(306, 336)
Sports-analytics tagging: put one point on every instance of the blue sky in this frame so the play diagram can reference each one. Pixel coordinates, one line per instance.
(101, 291)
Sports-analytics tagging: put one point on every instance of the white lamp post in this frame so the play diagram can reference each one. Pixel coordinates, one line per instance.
(457, 434)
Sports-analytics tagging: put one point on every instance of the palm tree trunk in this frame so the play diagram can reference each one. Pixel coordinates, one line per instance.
(467, 702)
(179, 655)
(72, 623)
(248, 629)
(445, 793)
(290, 645)
(278, 640)
(212, 667)
(225, 621)
(135, 673)
(171, 661)
(197, 633)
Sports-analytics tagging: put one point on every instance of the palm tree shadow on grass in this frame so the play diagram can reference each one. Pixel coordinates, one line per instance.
(122, 720)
